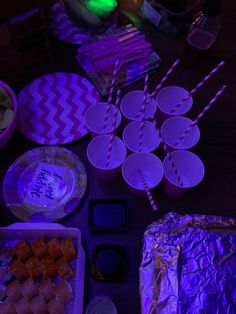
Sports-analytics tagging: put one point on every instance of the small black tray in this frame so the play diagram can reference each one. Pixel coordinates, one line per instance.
(109, 262)
(108, 215)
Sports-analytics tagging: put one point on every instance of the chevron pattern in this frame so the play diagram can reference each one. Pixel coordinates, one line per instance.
(63, 28)
(52, 108)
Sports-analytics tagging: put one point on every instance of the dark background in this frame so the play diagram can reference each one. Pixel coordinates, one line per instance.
(216, 195)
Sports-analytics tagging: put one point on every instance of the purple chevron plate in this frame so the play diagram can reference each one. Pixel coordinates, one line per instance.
(45, 183)
(52, 108)
(63, 28)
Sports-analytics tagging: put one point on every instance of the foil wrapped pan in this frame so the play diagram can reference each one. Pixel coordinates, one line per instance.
(189, 266)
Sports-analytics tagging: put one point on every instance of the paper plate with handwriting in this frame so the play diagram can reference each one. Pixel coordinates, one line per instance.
(44, 184)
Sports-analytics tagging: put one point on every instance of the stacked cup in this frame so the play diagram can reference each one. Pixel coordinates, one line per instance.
(107, 152)
(139, 135)
(182, 169)
(99, 117)
(172, 103)
(142, 170)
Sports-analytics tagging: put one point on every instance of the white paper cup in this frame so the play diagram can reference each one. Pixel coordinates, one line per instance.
(149, 164)
(94, 119)
(97, 155)
(167, 98)
(190, 168)
(150, 137)
(173, 128)
(131, 104)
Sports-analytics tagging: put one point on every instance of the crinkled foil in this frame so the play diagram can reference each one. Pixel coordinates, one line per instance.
(189, 266)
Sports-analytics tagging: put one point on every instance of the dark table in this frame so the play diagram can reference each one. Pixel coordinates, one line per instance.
(216, 195)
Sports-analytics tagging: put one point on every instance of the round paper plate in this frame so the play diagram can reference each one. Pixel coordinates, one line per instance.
(101, 304)
(53, 106)
(45, 183)
(63, 28)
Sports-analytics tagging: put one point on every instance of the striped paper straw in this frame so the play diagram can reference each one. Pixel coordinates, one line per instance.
(109, 151)
(113, 82)
(147, 190)
(201, 114)
(145, 92)
(159, 86)
(168, 154)
(196, 88)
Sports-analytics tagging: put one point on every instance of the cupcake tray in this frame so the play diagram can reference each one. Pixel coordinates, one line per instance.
(10, 235)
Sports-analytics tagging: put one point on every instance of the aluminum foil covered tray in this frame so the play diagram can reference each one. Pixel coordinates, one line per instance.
(189, 266)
